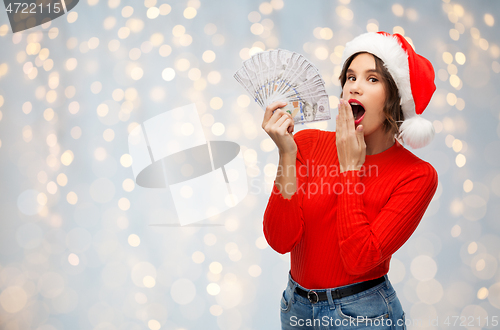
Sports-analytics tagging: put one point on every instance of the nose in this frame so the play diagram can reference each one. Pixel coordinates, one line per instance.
(354, 88)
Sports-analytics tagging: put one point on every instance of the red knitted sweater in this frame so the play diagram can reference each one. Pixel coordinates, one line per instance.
(342, 228)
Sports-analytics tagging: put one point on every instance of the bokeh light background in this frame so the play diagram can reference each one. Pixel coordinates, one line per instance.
(83, 247)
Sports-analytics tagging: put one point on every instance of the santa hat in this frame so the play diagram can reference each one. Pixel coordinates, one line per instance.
(413, 75)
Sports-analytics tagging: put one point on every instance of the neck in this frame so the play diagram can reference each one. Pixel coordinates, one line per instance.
(377, 143)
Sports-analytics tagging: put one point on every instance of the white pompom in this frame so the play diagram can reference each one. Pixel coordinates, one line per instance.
(416, 132)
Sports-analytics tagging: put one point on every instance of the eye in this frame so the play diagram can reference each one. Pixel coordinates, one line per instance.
(372, 79)
(351, 78)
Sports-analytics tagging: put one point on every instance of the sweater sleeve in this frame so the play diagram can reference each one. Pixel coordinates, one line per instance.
(283, 218)
(365, 243)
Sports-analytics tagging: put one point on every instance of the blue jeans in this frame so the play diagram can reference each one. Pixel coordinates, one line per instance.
(375, 308)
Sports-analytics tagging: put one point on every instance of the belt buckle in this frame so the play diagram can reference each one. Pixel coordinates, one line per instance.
(312, 296)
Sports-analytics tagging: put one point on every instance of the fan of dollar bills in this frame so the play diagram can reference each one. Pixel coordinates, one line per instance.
(282, 75)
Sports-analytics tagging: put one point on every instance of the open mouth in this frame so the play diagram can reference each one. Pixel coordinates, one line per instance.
(358, 111)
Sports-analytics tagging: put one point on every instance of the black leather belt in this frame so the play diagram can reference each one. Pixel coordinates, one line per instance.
(314, 296)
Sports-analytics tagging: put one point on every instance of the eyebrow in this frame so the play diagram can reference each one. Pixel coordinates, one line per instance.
(368, 71)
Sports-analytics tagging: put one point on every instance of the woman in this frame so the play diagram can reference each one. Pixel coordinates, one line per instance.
(343, 202)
